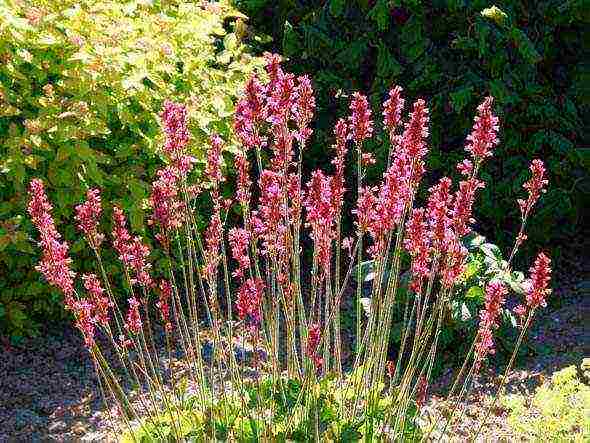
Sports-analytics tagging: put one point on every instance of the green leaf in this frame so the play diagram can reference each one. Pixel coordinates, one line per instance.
(380, 14)
(525, 46)
(337, 7)
(387, 66)
(461, 97)
(476, 293)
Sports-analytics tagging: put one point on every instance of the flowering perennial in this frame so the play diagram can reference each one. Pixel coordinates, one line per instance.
(287, 300)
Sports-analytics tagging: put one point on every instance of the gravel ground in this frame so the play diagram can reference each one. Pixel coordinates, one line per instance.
(49, 391)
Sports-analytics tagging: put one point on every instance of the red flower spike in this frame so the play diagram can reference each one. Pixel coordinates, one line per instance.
(484, 135)
(55, 261)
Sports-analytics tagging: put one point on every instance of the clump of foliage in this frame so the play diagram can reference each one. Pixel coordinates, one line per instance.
(81, 84)
(531, 59)
(558, 411)
(249, 278)
(485, 263)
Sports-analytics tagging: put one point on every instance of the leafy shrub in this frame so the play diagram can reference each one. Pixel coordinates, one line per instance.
(250, 280)
(531, 59)
(485, 263)
(81, 84)
(558, 411)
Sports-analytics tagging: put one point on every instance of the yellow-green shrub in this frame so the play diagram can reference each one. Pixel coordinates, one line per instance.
(81, 84)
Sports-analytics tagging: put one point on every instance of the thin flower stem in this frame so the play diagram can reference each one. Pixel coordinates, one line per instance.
(506, 372)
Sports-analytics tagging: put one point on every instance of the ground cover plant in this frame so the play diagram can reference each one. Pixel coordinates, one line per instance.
(558, 411)
(246, 284)
(81, 86)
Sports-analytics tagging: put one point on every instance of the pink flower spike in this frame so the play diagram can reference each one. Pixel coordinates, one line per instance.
(85, 321)
(239, 241)
(303, 108)
(417, 243)
(360, 120)
(88, 217)
(495, 297)
(392, 110)
(313, 342)
(133, 322)
(101, 303)
(465, 167)
(535, 187)
(133, 253)
(243, 193)
(174, 120)
(163, 303)
(538, 283)
(55, 261)
(249, 301)
(413, 141)
(320, 217)
(166, 205)
(484, 135)
(213, 167)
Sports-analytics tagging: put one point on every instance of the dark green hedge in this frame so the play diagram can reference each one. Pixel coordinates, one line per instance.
(528, 54)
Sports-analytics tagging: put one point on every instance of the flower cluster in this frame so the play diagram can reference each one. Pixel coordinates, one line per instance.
(167, 208)
(133, 253)
(273, 122)
(55, 262)
(88, 216)
(320, 218)
(249, 300)
(361, 124)
(483, 137)
(133, 320)
(101, 304)
(538, 283)
(174, 120)
(392, 111)
(163, 303)
(313, 342)
(535, 187)
(239, 241)
(488, 319)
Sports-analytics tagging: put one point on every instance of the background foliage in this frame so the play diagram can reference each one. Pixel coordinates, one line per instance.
(529, 55)
(81, 84)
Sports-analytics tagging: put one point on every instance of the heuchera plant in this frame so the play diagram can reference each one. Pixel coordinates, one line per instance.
(251, 285)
